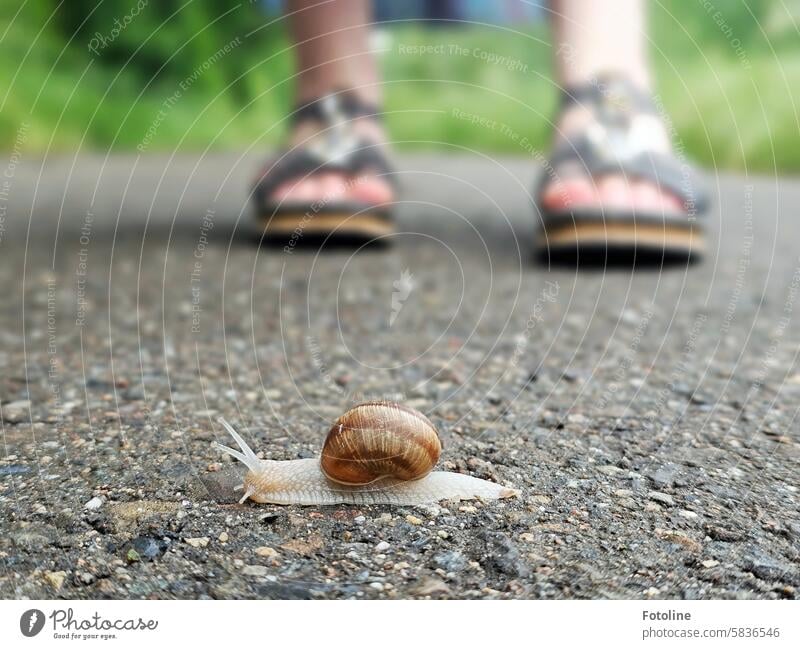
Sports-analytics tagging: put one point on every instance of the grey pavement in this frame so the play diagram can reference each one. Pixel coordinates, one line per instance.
(649, 417)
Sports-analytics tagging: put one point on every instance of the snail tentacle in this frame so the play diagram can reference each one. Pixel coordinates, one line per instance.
(247, 456)
(247, 494)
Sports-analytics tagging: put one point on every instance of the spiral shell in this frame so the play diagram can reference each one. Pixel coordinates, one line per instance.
(380, 439)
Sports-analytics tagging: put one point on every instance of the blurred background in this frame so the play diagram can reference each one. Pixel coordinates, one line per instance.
(89, 75)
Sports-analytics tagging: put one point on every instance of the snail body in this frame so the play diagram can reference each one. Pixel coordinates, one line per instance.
(376, 453)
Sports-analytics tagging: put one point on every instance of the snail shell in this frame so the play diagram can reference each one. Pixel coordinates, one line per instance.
(377, 440)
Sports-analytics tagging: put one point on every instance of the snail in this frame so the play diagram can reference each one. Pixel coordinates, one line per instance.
(376, 453)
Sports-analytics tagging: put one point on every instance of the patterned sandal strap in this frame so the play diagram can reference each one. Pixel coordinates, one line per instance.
(335, 148)
(328, 108)
(302, 162)
(614, 143)
(608, 94)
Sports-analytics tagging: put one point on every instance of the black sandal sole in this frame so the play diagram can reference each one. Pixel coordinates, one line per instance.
(618, 239)
(298, 226)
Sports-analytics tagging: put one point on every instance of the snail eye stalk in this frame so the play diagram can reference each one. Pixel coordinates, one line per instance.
(246, 456)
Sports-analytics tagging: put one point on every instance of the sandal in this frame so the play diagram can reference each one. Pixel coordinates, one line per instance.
(335, 148)
(613, 144)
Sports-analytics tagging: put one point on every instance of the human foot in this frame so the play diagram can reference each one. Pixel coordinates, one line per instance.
(368, 186)
(613, 181)
(571, 187)
(334, 177)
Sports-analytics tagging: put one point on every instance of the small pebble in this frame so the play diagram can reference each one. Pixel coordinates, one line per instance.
(255, 571)
(94, 504)
(147, 547)
(414, 520)
(360, 520)
(55, 579)
(198, 542)
(664, 499)
(266, 551)
(431, 586)
(223, 538)
(383, 546)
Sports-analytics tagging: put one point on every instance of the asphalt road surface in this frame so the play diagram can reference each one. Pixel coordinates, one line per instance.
(650, 418)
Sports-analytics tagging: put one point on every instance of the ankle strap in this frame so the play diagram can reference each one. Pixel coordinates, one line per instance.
(339, 104)
(609, 91)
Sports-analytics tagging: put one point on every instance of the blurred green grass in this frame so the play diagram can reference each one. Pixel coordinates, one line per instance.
(730, 87)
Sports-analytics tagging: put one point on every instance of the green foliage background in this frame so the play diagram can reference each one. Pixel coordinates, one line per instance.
(731, 109)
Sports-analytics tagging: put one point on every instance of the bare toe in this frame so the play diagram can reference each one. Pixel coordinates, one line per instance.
(332, 186)
(646, 197)
(568, 193)
(615, 193)
(371, 189)
(670, 203)
(296, 190)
